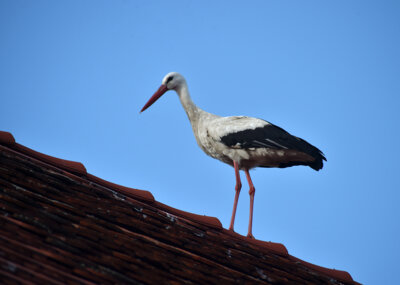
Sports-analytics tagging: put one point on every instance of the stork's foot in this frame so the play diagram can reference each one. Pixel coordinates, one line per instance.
(250, 235)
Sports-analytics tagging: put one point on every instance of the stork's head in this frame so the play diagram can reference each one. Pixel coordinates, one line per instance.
(171, 81)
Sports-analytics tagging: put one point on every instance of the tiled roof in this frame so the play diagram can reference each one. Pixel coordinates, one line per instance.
(60, 224)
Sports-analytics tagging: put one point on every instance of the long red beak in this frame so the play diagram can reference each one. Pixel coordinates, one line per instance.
(154, 98)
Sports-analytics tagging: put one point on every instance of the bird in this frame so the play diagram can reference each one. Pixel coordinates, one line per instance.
(240, 141)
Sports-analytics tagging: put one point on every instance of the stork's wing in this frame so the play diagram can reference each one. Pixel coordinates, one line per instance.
(267, 135)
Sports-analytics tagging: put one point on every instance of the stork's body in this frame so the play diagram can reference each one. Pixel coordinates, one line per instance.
(240, 141)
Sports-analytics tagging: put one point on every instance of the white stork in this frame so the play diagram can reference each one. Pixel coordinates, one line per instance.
(242, 142)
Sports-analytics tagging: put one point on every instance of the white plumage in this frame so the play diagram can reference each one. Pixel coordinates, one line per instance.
(240, 141)
(210, 130)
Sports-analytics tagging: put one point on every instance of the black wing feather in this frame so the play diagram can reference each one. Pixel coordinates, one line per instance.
(274, 137)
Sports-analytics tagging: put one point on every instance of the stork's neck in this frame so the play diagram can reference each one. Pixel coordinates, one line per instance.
(191, 109)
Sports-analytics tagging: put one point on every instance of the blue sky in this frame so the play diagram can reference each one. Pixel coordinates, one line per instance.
(74, 75)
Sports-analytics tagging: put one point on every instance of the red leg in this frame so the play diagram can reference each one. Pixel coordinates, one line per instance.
(252, 191)
(237, 189)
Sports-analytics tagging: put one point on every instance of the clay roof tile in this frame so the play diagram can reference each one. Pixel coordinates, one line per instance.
(71, 224)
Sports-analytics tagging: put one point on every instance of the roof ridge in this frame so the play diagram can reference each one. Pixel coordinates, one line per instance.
(6, 138)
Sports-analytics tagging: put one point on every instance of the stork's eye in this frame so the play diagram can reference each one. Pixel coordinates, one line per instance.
(169, 79)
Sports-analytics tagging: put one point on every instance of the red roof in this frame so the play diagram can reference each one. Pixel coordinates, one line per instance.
(60, 224)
